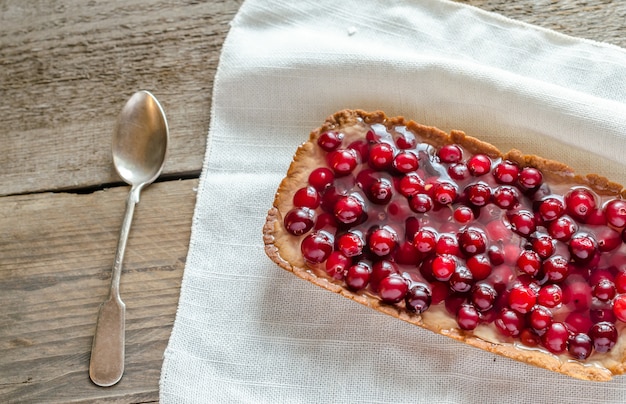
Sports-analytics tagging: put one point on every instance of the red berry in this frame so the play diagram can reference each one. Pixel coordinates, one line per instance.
(551, 208)
(458, 171)
(306, 197)
(380, 270)
(543, 246)
(420, 203)
(604, 336)
(450, 153)
(418, 298)
(550, 295)
(540, 318)
(580, 346)
(316, 247)
(530, 178)
(380, 191)
(405, 162)
(358, 276)
(411, 185)
(445, 193)
(461, 280)
(380, 156)
(522, 222)
(393, 288)
(620, 282)
(321, 177)
(479, 164)
(615, 212)
(382, 242)
(529, 262)
(582, 248)
(483, 296)
(510, 323)
(350, 244)
(580, 203)
(348, 209)
(555, 338)
(342, 161)
(506, 197)
(619, 307)
(522, 298)
(425, 240)
(463, 215)
(336, 265)
(506, 172)
(479, 266)
(472, 242)
(604, 290)
(467, 317)
(478, 194)
(330, 141)
(299, 221)
(443, 266)
(562, 228)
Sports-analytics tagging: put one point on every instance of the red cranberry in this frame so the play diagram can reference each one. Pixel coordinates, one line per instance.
(619, 307)
(522, 222)
(506, 197)
(299, 221)
(330, 141)
(620, 282)
(380, 270)
(380, 192)
(445, 193)
(580, 203)
(529, 262)
(608, 239)
(306, 197)
(443, 266)
(316, 247)
(604, 290)
(458, 171)
(463, 215)
(420, 203)
(342, 161)
(358, 276)
(350, 244)
(381, 156)
(522, 298)
(540, 318)
(447, 244)
(528, 337)
(604, 336)
(479, 266)
(450, 153)
(418, 298)
(461, 280)
(411, 185)
(405, 162)
(326, 221)
(578, 321)
(615, 212)
(321, 177)
(382, 242)
(483, 296)
(506, 172)
(479, 164)
(510, 323)
(530, 178)
(543, 246)
(406, 254)
(393, 288)
(348, 209)
(361, 147)
(555, 338)
(550, 295)
(405, 140)
(577, 293)
(562, 228)
(411, 227)
(467, 317)
(580, 346)
(478, 194)
(425, 240)
(496, 255)
(472, 242)
(582, 248)
(601, 314)
(336, 265)
(551, 208)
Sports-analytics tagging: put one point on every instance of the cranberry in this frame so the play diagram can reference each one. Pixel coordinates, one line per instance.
(381, 156)
(467, 317)
(411, 227)
(463, 215)
(620, 282)
(562, 228)
(604, 336)
(321, 177)
(418, 298)
(348, 209)
(472, 242)
(582, 248)
(325, 221)
(580, 346)
(445, 193)
(619, 307)
(529, 337)
(447, 244)
(496, 255)
(540, 318)
(450, 153)
(382, 242)
(411, 185)
(478, 194)
(380, 270)
(551, 208)
(483, 296)
(604, 290)
(350, 244)
(316, 247)
(342, 161)
(580, 203)
(420, 203)
(380, 192)
(615, 212)
(530, 178)
(461, 280)
(479, 266)
(358, 276)
(555, 338)
(543, 246)
(510, 323)
(306, 197)
(522, 222)
(479, 164)
(361, 147)
(578, 321)
(336, 265)
(330, 141)
(601, 314)
(393, 288)
(550, 295)
(506, 197)
(522, 298)
(608, 239)
(443, 266)
(299, 221)
(506, 172)
(577, 293)
(405, 162)
(405, 140)
(458, 171)
(529, 262)
(425, 240)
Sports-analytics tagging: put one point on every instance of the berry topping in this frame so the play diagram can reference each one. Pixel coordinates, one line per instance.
(330, 141)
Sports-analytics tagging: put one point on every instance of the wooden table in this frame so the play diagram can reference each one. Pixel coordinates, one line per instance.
(67, 67)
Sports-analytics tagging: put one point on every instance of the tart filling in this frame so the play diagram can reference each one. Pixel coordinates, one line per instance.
(514, 254)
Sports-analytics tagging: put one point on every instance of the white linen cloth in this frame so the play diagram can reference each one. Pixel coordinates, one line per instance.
(248, 331)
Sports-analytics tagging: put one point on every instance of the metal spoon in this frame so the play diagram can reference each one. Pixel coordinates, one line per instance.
(139, 145)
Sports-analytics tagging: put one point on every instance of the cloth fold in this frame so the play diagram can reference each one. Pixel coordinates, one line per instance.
(247, 331)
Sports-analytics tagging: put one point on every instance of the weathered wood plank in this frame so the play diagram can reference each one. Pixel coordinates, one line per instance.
(57, 252)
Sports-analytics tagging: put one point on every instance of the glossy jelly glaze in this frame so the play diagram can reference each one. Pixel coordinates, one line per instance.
(487, 245)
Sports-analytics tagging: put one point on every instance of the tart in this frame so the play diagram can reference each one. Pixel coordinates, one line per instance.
(511, 253)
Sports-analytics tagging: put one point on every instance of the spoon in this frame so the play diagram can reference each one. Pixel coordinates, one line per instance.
(139, 145)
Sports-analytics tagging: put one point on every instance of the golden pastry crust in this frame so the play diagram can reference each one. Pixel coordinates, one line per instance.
(279, 245)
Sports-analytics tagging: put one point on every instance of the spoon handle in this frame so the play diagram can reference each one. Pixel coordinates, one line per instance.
(106, 365)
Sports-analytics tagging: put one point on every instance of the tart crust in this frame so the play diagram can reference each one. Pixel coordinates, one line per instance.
(281, 248)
